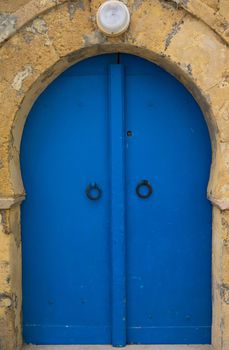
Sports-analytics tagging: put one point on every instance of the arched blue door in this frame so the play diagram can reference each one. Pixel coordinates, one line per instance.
(116, 226)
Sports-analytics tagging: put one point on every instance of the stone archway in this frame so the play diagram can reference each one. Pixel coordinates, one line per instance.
(41, 40)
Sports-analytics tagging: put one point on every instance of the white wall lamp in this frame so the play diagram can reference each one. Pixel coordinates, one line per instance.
(113, 17)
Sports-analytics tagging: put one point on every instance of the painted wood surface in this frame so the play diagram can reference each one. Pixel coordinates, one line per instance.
(103, 122)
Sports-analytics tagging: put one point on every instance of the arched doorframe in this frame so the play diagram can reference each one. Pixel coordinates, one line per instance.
(37, 48)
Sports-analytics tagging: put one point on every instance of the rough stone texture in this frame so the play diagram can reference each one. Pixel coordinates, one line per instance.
(7, 25)
(10, 279)
(11, 5)
(188, 38)
(108, 347)
(212, 3)
(224, 8)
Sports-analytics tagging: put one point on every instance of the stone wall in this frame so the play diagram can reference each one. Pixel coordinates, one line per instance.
(41, 38)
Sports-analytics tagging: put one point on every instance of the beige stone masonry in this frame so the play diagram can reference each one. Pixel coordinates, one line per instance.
(128, 347)
(188, 38)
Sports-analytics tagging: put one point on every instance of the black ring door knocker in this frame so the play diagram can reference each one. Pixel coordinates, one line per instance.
(93, 191)
(144, 189)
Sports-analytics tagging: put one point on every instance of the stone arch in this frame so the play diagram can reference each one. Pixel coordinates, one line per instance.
(37, 48)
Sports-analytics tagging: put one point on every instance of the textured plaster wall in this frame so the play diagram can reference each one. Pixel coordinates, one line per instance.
(13, 5)
(41, 38)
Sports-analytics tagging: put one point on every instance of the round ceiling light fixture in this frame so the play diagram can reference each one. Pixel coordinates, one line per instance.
(113, 17)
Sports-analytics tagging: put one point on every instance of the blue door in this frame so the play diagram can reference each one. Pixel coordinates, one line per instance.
(116, 227)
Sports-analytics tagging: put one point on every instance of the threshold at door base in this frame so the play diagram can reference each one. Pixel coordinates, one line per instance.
(109, 347)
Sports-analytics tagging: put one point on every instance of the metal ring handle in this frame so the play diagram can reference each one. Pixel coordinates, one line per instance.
(142, 184)
(93, 191)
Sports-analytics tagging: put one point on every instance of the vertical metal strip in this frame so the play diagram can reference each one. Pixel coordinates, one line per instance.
(117, 168)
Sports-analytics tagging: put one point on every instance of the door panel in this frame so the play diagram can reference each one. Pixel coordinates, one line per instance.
(168, 235)
(98, 271)
(66, 266)
(118, 210)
